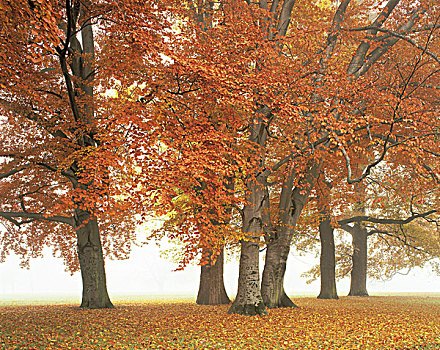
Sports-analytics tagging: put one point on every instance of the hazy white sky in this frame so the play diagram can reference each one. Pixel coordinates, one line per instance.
(146, 272)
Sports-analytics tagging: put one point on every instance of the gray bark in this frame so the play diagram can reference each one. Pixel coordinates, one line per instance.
(249, 301)
(358, 285)
(272, 286)
(94, 295)
(327, 260)
(292, 203)
(212, 288)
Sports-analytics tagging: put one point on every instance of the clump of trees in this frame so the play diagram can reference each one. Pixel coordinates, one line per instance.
(234, 119)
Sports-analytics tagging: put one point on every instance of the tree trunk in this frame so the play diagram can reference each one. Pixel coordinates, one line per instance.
(358, 286)
(327, 261)
(272, 286)
(212, 288)
(290, 207)
(249, 301)
(91, 262)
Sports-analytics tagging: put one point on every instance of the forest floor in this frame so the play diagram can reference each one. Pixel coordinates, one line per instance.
(379, 322)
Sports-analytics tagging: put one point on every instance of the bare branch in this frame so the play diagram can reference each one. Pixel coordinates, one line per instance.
(370, 166)
(368, 218)
(358, 59)
(36, 216)
(352, 65)
(396, 236)
(11, 172)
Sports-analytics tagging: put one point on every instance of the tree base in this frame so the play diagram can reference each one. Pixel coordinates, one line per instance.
(248, 309)
(328, 296)
(359, 294)
(215, 301)
(284, 301)
(106, 305)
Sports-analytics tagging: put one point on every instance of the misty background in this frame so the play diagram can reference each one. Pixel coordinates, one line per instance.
(148, 272)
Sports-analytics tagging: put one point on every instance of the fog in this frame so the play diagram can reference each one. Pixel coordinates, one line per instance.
(148, 273)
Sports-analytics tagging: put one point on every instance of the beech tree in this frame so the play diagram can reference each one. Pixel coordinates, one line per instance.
(63, 172)
(403, 242)
(34, 178)
(395, 218)
(363, 163)
(269, 94)
(330, 133)
(304, 98)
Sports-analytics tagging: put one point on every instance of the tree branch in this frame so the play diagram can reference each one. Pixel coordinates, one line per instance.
(36, 216)
(359, 58)
(332, 37)
(12, 172)
(284, 21)
(394, 34)
(368, 218)
(390, 42)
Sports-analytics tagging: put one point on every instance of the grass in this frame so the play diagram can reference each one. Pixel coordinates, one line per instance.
(380, 322)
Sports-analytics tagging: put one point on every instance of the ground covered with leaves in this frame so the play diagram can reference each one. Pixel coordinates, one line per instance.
(348, 323)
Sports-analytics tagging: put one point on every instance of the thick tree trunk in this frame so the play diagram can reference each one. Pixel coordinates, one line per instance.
(212, 288)
(358, 286)
(91, 262)
(249, 301)
(290, 207)
(327, 261)
(272, 287)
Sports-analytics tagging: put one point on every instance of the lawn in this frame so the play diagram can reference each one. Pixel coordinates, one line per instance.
(384, 322)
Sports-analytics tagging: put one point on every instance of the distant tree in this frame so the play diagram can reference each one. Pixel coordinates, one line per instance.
(397, 222)
(399, 239)
(327, 263)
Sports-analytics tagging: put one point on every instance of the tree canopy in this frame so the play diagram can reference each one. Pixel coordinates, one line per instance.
(226, 116)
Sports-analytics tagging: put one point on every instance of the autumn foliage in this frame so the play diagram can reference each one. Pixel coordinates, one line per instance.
(222, 118)
(350, 323)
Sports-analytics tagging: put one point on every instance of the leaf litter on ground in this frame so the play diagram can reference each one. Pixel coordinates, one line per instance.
(347, 323)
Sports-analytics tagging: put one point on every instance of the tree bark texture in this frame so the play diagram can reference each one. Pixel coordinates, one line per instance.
(327, 260)
(212, 288)
(272, 286)
(249, 301)
(278, 247)
(94, 295)
(358, 285)
(253, 214)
